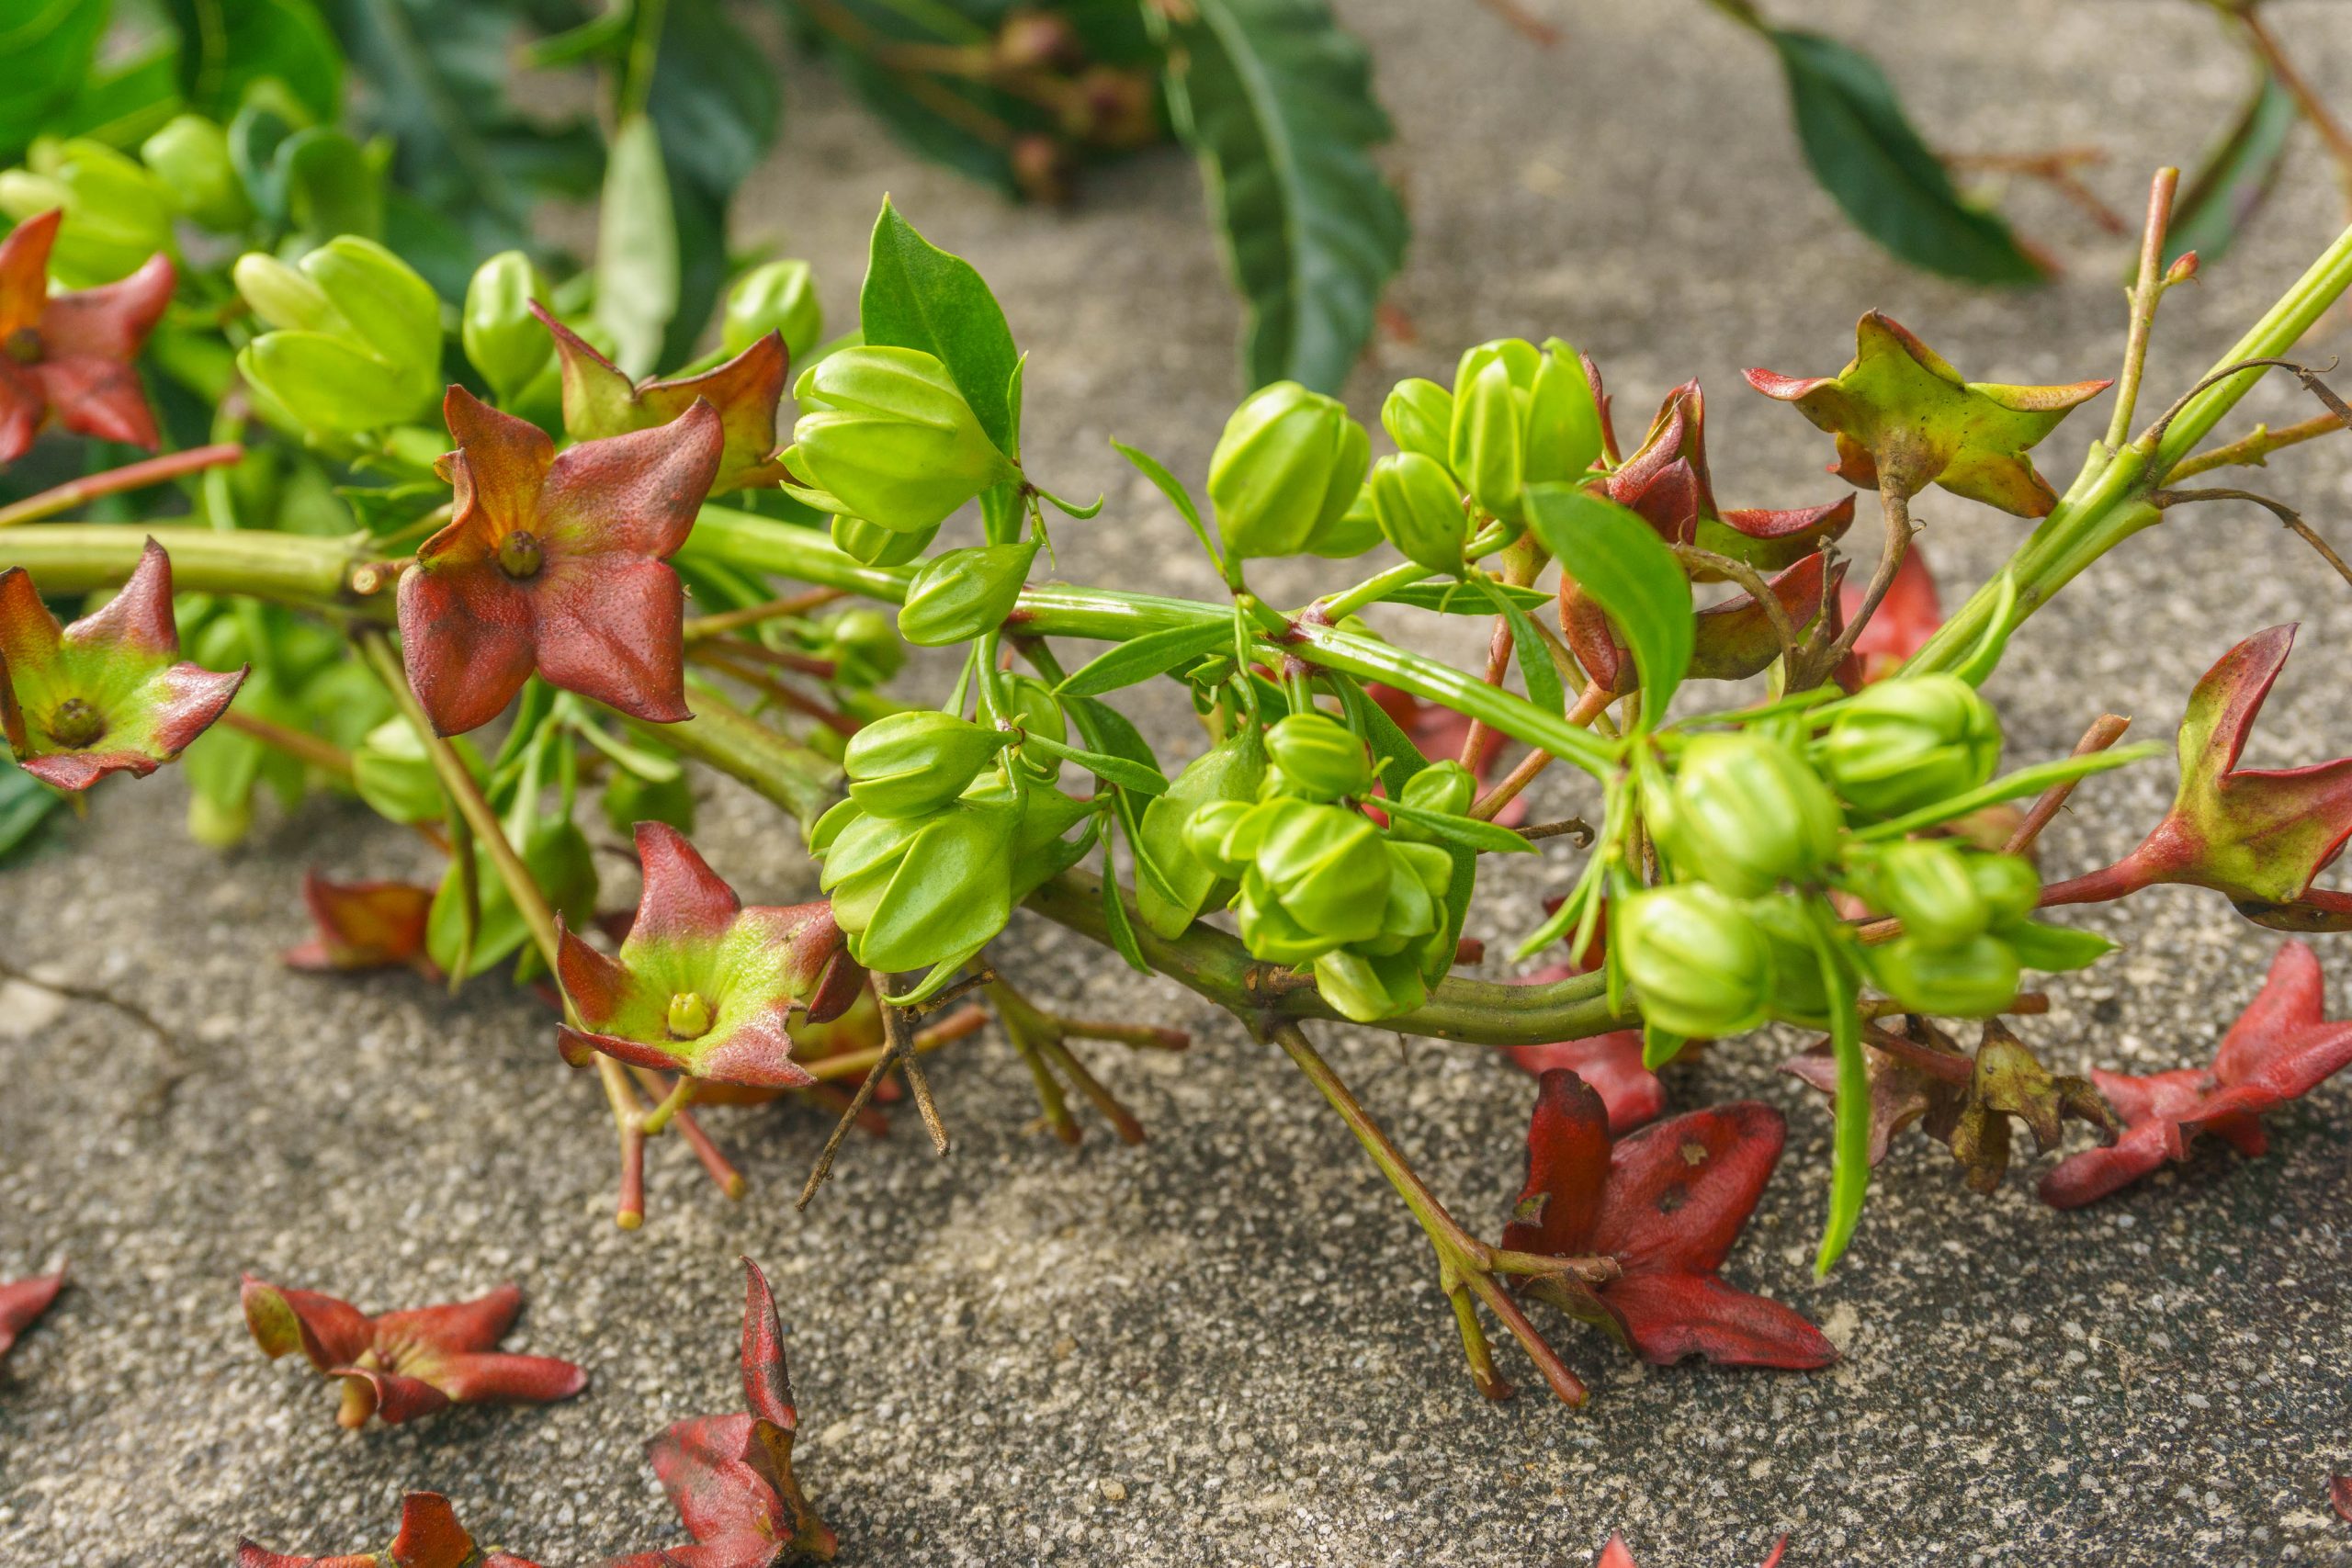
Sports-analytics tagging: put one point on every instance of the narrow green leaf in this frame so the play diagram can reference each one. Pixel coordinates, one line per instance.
(1458, 598)
(2055, 950)
(2009, 786)
(1275, 100)
(917, 296)
(1867, 157)
(1467, 831)
(1116, 921)
(1850, 1166)
(637, 249)
(1617, 558)
(1107, 730)
(2234, 176)
(1534, 659)
(1178, 496)
(1119, 771)
(1154, 653)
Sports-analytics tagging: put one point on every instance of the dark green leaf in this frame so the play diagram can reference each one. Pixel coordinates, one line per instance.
(1178, 496)
(1107, 730)
(2234, 174)
(637, 249)
(228, 45)
(714, 99)
(917, 296)
(1618, 559)
(331, 186)
(48, 45)
(1116, 921)
(124, 103)
(25, 804)
(1154, 653)
(1867, 157)
(1535, 665)
(1276, 101)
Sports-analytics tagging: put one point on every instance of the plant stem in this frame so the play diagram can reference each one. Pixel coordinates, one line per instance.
(324, 755)
(2147, 288)
(1895, 502)
(291, 569)
(131, 476)
(1464, 1261)
(2255, 447)
(752, 614)
(720, 735)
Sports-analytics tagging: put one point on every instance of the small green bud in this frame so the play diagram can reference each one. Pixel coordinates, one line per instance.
(1974, 979)
(911, 765)
(913, 891)
(1319, 880)
(1446, 786)
(1485, 451)
(956, 596)
(1926, 884)
(1368, 988)
(1562, 436)
(689, 1017)
(1285, 471)
(1317, 757)
(2008, 885)
(1909, 742)
(117, 214)
(1700, 965)
(885, 431)
(864, 645)
(1800, 995)
(1357, 531)
(1748, 813)
(189, 157)
(778, 297)
(1420, 511)
(358, 340)
(1522, 416)
(1419, 417)
(1183, 830)
(503, 339)
(877, 546)
(1209, 831)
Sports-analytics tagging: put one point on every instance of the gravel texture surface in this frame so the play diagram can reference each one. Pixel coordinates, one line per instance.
(1226, 1346)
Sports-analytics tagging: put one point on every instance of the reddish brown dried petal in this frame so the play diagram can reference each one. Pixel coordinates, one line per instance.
(2339, 1496)
(363, 925)
(465, 640)
(99, 398)
(506, 1379)
(22, 1302)
(597, 985)
(1904, 620)
(140, 617)
(633, 494)
(24, 270)
(1679, 1192)
(504, 465)
(684, 898)
(23, 405)
(767, 1381)
(612, 629)
(1609, 1065)
(109, 322)
(1560, 1202)
(600, 402)
(331, 1333)
(395, 1397)
(430, 1535)
(1671, 1317)
(476, 1325)
(252, 1556)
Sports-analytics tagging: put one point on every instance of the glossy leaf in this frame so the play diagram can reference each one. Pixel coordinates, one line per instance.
(1864, 151)
(1616, 559)
(1275, 100)
(48, 48)
(637, 248)
(226, 46)
(917, 296)
(1154, 653)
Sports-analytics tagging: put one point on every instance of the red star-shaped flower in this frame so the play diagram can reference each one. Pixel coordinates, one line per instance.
(2280, 1049)
(600, 400)
(703, 984)
(1666, 1203)
(107, 694)
(21, 1304)
(364, 925)
(402, 1365)
(430, 1537)
(1905, 619)
(1666, 481)
(731, 1477)
(68, 357)
(556, 562)
(1609, 1065)
(1731, 641)
(2259, 835)
(1904, 418)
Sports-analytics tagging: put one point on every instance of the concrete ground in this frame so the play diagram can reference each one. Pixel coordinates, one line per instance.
(1226, 1346)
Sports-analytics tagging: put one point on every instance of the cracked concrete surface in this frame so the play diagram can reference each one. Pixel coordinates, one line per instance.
(1226, 1346)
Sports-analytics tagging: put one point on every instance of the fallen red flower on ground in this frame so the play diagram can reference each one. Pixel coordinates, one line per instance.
(22, 1302)
(430, 1537)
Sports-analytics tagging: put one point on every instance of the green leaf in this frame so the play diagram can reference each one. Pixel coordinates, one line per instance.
(25, 804)
(1107, 730)
(124, 103)
(1114, 917)
(714, 102)
(1617, 558)
(917, 296)
(1275, 100)
(2009, 786)
(1154, 653)
(226, 46)
(1467, 831)
(1120, 771)
(1850, 1167)
(1178, 496)
(1458, 598)
(331, 186)
(1867, 157)
(48, 45)
(637, 249)
(2055, 950)
(557, 855)
(2234, 176)
(1535, 665)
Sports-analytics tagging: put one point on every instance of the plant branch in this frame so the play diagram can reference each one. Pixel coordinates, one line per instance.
(2254, 448)
(2332, 134)
(2147, 288)
(1895, 504)
(114, 482)
(2168, 499)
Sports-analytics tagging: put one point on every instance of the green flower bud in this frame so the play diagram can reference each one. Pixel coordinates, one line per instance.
(2008, 885)
(1036, 711)
(117, 214)
(1319, 880)
(864, 645)
(1369, 988)
(1748, 813)
(1184, 828)
(1419, 417)
(1563, 435)
(1973, 979)
(1926, 884)
(1357, 531)
(1317, 756)
(189, 158)
(1800, 995)
(911, 764)
(358, 340)
(1700, 965)
(503, 339)
(1485, 450)
(959, 595)
(877, 546)
(1522, 416)
(913, 891)
(886, 432)
(1446, 786)
(1419, 875)
(1209, 831)
(1286, 470)
(777, 296)
(1420, 511)
(1910, 742)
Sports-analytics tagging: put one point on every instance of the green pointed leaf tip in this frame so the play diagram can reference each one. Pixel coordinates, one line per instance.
(917, 296)
(637, 249)
(1275, 100)
(1617, 559)
(1864, 151)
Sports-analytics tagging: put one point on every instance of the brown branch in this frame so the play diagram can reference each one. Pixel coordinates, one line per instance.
(114, 482)
(2285, 514)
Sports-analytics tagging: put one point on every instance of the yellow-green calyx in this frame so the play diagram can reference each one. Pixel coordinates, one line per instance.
(689, 1016)
(519, 556)
(77, 725)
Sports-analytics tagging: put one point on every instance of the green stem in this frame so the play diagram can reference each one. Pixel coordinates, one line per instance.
(721, 736)
(289, 568)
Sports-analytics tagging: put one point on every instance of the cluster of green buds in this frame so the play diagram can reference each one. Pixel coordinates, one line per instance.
(887, 442)
(1755, 825)
(1286, 473)
(1274, 824)
(117, 211)
(1517, 415)
(354, 343)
